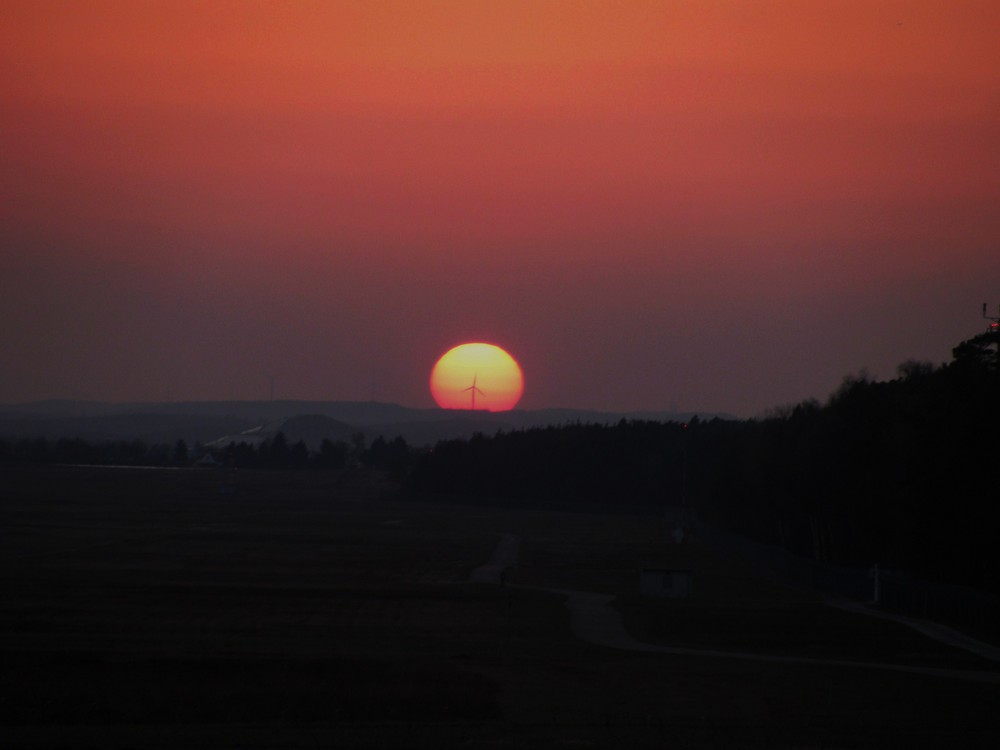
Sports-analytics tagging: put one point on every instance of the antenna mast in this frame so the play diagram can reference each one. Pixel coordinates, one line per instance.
(994, 331)
(994, 322)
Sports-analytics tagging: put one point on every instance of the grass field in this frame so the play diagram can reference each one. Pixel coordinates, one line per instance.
(148, 608)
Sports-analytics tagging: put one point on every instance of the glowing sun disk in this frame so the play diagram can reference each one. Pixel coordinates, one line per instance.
(477, 376)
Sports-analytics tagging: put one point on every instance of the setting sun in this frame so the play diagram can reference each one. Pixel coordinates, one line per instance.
(477, 376)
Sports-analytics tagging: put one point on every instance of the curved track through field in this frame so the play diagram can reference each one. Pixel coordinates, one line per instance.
(594, 620)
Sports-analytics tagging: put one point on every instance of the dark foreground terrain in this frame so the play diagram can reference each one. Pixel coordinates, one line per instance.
(205, 609)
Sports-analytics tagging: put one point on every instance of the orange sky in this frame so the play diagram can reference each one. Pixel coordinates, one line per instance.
(714, 205)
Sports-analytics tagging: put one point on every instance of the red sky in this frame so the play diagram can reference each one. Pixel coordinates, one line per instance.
(718, 206)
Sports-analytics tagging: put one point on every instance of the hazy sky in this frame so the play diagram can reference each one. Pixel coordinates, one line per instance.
(721, 206)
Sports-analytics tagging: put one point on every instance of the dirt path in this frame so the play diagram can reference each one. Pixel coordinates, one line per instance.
(504, 556)
(593, 619)
(933, 630)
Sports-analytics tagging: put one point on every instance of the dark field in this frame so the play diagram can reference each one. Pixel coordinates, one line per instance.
(150, 609)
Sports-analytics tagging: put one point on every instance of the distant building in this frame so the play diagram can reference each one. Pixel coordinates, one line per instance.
(666, 584)
(207, 460)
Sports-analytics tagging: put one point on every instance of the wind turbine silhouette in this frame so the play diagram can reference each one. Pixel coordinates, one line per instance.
(473, 390)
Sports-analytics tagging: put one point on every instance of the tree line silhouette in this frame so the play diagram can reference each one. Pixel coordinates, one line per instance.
(272, 453)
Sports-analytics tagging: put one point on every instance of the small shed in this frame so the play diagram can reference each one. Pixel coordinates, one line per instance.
(666, 583)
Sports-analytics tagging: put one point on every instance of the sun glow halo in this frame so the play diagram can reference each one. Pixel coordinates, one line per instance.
(477, 376)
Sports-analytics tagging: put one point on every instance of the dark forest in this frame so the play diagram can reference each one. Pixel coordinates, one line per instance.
(901, 473)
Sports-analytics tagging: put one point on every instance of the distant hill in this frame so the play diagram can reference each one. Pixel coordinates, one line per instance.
(310, 421)
(150, 428)
(312, 429)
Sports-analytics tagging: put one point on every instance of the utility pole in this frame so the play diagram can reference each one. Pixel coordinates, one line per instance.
(684, 468)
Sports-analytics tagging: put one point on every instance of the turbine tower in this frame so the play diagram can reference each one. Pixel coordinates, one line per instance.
(473, 390)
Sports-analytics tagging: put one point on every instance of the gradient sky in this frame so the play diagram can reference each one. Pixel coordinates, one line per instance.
(714, 206)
